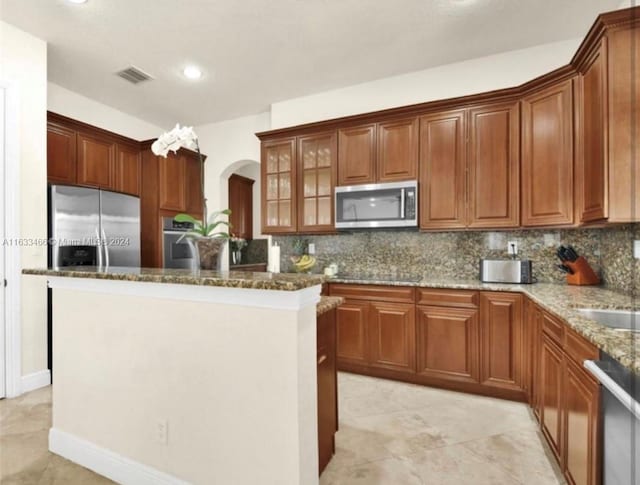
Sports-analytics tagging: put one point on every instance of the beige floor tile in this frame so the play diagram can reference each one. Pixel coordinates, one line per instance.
(390, 471)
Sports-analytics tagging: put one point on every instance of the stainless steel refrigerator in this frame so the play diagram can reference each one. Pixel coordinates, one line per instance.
(93, 227)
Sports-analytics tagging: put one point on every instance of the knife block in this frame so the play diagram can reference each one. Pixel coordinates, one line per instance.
(583, 274)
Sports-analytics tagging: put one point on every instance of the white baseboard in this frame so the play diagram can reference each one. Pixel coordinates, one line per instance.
(106, 462)
(34, 381)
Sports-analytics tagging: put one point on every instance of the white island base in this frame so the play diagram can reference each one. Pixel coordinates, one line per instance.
(157, 383)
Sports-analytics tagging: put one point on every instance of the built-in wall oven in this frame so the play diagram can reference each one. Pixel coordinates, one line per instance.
(393, 204)
(177, 251)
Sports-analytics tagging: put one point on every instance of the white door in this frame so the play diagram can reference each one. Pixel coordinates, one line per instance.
(3, 275)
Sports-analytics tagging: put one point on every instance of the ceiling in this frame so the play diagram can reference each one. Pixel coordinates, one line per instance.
(256, 52)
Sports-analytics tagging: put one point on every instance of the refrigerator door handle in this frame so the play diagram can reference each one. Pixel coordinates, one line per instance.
(105, 245)
(99, 248)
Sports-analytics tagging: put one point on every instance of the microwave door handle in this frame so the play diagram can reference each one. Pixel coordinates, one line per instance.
(402, 204)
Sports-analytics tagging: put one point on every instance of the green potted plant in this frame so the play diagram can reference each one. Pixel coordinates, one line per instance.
(205, 236)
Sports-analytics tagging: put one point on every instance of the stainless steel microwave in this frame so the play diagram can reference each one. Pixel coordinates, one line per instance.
(393, 204)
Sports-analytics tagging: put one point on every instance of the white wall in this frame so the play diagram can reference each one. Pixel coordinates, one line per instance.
(498, 71)
(228, 146)
(68, 103)
(23, 63)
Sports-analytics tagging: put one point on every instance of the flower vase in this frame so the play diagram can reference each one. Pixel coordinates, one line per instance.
(210, 251)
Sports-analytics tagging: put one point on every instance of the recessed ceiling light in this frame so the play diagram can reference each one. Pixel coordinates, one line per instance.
(77, 1)
(192, 72)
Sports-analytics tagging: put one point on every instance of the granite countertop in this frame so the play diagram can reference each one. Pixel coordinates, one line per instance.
(229, 279)
(560, 300)
(328, 303)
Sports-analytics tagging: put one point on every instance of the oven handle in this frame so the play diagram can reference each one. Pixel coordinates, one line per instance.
(612, 386)
(401, 203)
(174, 233)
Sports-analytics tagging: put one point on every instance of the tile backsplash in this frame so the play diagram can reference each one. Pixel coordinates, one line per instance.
(456, 254)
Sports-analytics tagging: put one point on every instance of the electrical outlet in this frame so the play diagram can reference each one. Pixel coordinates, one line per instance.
(312, 248)
(162, 432)
(636, 249)
(512, 248)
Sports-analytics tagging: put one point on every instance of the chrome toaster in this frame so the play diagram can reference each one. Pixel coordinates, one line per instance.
(506, 271)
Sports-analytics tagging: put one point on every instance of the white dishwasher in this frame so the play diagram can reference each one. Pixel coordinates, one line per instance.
(621, 408)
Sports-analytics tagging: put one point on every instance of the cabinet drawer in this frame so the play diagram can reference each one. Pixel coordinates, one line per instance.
(450, 298)
(400, 294)
(553, 327)
(579, 349)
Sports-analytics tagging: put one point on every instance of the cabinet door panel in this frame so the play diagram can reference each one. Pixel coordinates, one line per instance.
(547, 156)
(447, 343)
(392, 336)
(398, 150)
(581, 418)
(501, 337)
(193, 187)
(172, 182)
(61, 154)
(551, 391)
(241, 205)
(443, 170)
(317, 155)
(593, 181)
(278, 174)
(357, 155)
(96, 159)
(494, 165)
(127, 170)
(353, 320)
(327, 387)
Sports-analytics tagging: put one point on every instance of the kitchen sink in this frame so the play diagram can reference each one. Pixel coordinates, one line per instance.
(618, 319)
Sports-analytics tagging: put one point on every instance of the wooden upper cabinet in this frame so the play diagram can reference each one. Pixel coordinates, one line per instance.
(193, 186)
(550, 393)
(352, 328)
(593, 170)
(547, 156)
(493, 158)
(317, 172)
(172, 173)
(501, 340)
(397, 154)
(581, 423)
(241, 205)
(357, 155)
(61, 154)
(127, 170)
(443, 170)
(447, 343)
(392, 339)
(96, 158)
(278, 169)
(623, 124)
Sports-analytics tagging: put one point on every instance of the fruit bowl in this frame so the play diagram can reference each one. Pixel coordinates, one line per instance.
(304, 263)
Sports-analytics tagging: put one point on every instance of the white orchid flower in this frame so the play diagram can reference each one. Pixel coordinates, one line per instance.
(179, 137)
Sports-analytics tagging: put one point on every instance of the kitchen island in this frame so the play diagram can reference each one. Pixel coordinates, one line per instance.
(169, 376)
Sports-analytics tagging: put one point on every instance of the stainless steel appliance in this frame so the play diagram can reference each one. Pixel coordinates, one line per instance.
(392, 204)
(621, 409)
(93, 226)
(177, 252)
(506, 271)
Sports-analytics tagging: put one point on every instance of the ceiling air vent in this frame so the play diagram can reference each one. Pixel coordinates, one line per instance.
(134, 75)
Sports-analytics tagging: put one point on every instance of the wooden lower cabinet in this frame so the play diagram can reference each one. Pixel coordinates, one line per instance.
(501, 340)
(551, 390)
(352, 321)
(568, 399)
(327, 387)
(392, 338)
(581, 426)
(447, 343)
